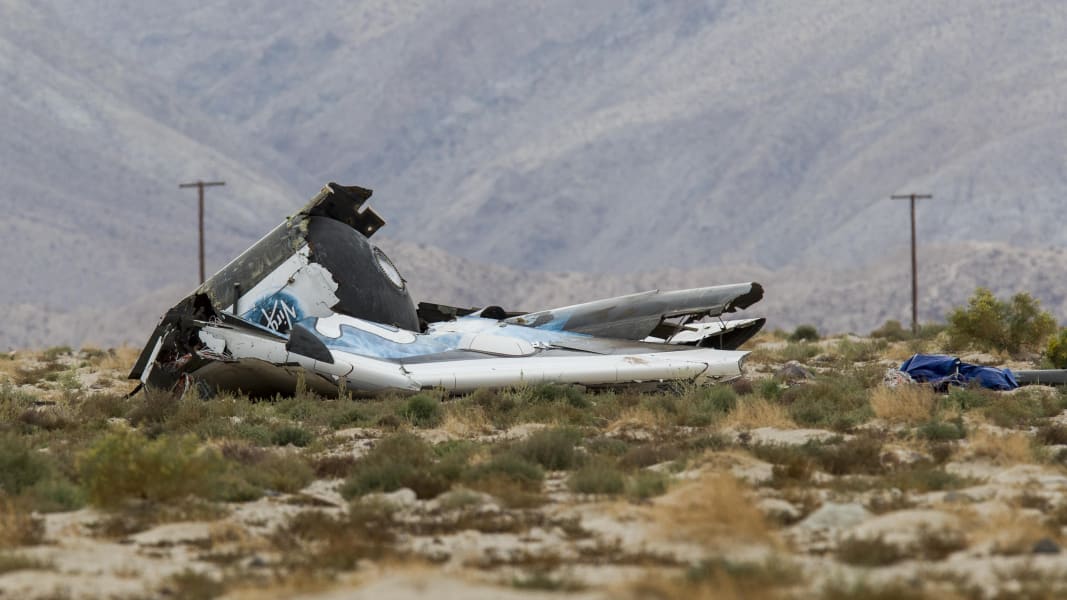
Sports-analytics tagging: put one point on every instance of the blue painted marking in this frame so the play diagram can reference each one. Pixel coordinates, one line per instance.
(278, 312)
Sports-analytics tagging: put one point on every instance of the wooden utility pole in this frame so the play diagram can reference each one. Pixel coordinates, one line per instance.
(200, 185)
(914, 260)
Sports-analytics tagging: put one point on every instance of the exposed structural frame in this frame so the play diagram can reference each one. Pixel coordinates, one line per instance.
(315, 300)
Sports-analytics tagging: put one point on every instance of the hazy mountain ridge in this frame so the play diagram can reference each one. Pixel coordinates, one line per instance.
(671, 144)
(765, 132)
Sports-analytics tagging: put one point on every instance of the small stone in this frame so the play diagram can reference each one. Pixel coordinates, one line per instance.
(1046, 546)
(793, 371)
(957, 498)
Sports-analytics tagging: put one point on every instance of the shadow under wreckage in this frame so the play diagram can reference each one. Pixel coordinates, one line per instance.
(314, 300)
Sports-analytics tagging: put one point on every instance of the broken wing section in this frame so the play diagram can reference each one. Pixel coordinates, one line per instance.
(316, 263)
(638, 316)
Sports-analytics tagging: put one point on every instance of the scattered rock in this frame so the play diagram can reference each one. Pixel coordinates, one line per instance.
(173, 534)
(779, 510)
(793, 371)
(906, 529)
(402, 498)
(901, 457)
(955, 497)
(1046, 546)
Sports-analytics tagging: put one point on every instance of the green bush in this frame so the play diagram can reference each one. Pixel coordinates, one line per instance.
(511, 467)
(290, 434)
(597, 478)
(892, 331)
(553, 449)
(839, 403)
(125, 465)
(20, 465)
(646, 484)
(422, 410)
(806, 333)
(399, 461)
(990, 324)
(941, 431)
(1056, 351)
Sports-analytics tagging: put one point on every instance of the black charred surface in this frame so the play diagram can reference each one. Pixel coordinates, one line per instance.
(303, 342)
(363, 288)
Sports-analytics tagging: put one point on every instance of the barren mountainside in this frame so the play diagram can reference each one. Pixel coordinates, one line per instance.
(665, 144)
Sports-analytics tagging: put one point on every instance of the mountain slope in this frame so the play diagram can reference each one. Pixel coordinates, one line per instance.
(628, 136)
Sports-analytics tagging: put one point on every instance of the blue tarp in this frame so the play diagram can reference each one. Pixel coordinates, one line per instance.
(943, 371)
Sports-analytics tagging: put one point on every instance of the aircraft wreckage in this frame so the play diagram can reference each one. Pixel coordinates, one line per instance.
(315, 300)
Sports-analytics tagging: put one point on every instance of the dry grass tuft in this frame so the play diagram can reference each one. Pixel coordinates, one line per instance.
(17, 526)
(714, 507)
(466, 421)
(752, 413)
(635, 419)
(121, 358)
(1006, 532)
(1001, 449)
(908, 404)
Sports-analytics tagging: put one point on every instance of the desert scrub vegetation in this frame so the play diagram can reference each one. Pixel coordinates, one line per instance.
(993, 325)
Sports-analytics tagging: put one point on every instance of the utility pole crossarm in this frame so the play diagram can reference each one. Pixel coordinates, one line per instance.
(200, 185)
(914, 258)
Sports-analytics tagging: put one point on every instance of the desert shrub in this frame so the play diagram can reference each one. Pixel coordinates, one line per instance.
(597, 477)
(1023, 409)
(795, 468)
(279, 471)
(55, 494)
(422, 410)
(850, 351)
(607, 446)
(508, 477)
(646, 455)
(55, 352)
(18, 526)
(20, 465)
(646, 484)
(13, 561)
(743, 579)
(291, 434)
(968, 398)
(550, 393)
(838, 403)
(924, 478)
(941, 431)
(97, 408)
(317, 541)
(770, 389)
(553, 449)
(699, 406)
(868, 552)
(154, 409)
(859, 455)
(798, 351)
(1052, 434)
(401, 460)
(192, 585)
(1056, 351)
(334, 466)
(903, 404)
(892, 331)
(125, 465)
(806, 333)
(990, 324)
